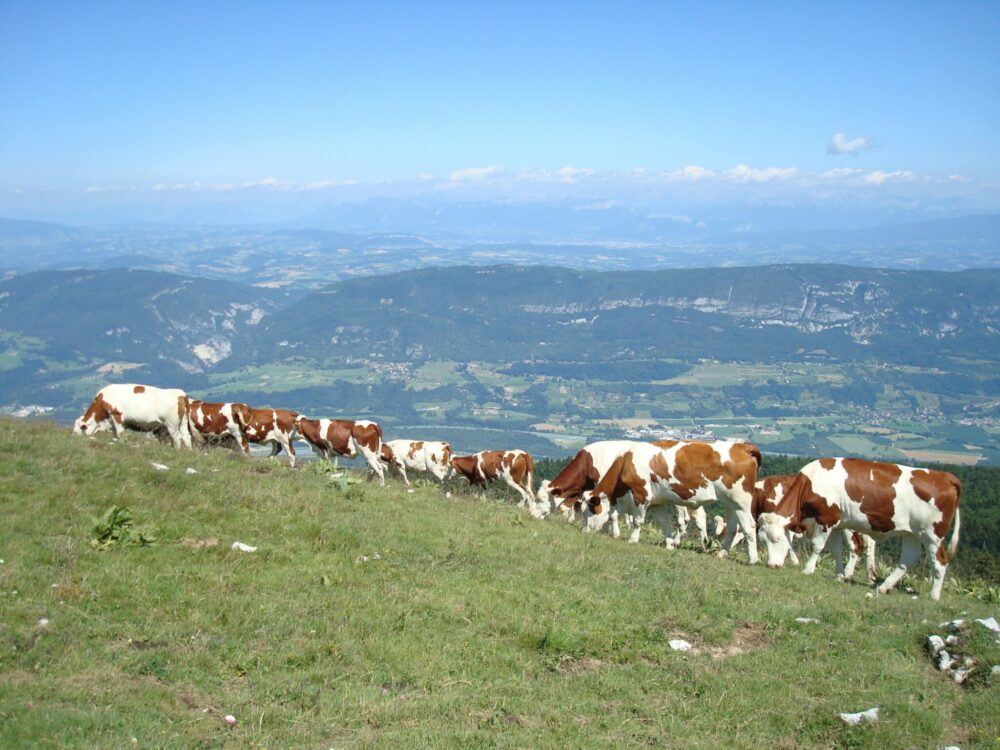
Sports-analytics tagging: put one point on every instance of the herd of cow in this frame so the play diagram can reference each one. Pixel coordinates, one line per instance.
(666, 481)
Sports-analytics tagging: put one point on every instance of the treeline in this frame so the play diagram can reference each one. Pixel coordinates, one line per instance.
(979, 550)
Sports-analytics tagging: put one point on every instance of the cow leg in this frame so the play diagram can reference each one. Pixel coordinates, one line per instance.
(616, 531)
(175, 438)
(818, 536)
(682, 524)
(852, 554)
(909, 557)
(744, 519)
(700, 519)
(790, 537)
(661, 514)
(375, 465)
(938, 568)
(402, 473)
(275, 448)
(870, 558)
(730, 538)
(836, 543)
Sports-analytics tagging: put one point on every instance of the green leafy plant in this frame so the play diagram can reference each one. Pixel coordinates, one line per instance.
(115, 527)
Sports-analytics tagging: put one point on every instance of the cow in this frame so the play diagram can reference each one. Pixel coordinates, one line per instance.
(420, 455)
(274, 426)
(691, 474)
(137, 407)
(214, 421)
(878, 499)
(345, 437)
(564, 493)
(516, 468)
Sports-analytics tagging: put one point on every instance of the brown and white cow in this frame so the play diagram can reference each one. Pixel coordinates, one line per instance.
(691, 474)
(137, 407)
(274, 426)
(767, 496)
(516, 468)
(211, 422)
(345, 437)
(420, 455)
(875, 498)
(565, 492)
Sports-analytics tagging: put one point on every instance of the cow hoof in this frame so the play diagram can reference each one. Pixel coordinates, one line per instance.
(722, 554)
(447, 494)
(773, 566)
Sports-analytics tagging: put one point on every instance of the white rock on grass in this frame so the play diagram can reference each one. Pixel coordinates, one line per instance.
(990, 623)
(241, 547)
(806, 620)
(679, 644)
(189, 470)
(935, 644)
(871, 715)
(160, 467)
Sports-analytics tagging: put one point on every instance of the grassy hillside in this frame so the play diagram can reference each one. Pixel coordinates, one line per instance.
(375, 618)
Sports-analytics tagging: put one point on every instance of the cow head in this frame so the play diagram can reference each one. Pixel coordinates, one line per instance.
(88, 425)
(596, 510)
(771, 533)
(548, 502)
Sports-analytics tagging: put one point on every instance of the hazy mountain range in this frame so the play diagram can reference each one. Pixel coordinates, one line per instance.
(385, 237)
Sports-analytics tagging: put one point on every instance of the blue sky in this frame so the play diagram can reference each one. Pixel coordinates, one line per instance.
(117, 101)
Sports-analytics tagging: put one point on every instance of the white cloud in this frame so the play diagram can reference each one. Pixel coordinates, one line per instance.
(680, 218)
(690, 173)
(841, 173)
(879, 177)
(840, 144)
(475, 174)
(743, 173)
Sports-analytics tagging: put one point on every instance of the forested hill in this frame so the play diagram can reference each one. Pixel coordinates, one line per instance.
(763, 313)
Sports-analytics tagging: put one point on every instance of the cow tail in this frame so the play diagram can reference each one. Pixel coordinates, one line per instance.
(953, 544)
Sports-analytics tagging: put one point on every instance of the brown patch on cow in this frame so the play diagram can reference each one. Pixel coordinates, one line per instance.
(871, 485)
(578, 476)
(828, 463)
(857, 542)
(385, 453)
(369, 435)
(522, 468)
(414, 447)
(207, 418)
(285, 419)
(800, 503)
(620, 478)
(765, 500)
(466, 466)
(490, 463)
(139, 389)
(695, 465)
(944, 489)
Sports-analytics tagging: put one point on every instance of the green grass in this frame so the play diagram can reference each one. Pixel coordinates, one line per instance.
(475, 626)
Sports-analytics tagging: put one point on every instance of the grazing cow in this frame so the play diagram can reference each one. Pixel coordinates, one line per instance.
(516, 468)
(767, 495)
(137, 407)
(565, 492)
(420, 455)
(211, 422)
(274, 426)
(878, 499)
(345, 437)
(691, 474)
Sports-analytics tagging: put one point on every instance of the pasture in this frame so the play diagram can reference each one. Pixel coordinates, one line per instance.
(370, 617)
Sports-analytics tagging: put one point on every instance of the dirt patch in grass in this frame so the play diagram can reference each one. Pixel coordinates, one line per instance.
(747, 637)
(572, 665)
(198, 543)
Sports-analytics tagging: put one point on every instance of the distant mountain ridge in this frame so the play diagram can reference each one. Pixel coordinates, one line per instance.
(538, 312)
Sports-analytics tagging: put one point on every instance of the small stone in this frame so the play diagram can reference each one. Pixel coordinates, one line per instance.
(871, 715)
(230, 720)
(189, 470)
(679, 644)
(44, 622)
(160, 467)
